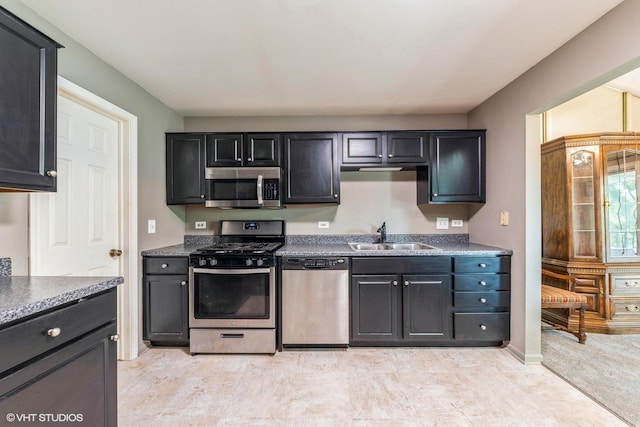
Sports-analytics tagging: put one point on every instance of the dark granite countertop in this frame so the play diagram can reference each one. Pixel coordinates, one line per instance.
(23, 296)
(337, 245)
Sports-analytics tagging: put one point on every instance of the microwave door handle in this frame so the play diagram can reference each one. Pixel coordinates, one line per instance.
(259, 190)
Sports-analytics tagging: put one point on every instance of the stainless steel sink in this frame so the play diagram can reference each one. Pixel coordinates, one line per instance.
(409, 246)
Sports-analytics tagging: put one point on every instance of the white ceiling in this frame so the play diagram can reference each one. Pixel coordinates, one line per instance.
(321, 57)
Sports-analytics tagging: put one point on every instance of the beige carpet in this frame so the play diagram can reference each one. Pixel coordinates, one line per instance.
(607, 368)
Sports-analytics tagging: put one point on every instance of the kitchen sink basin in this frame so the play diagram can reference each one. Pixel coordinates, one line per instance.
(410, 246)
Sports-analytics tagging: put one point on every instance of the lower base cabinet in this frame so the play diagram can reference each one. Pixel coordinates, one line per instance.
(74, 382)
(430, 301)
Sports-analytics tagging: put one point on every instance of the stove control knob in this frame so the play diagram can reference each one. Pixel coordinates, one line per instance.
(249, 262)
(213, 262)
(259, 262)
(202, 262)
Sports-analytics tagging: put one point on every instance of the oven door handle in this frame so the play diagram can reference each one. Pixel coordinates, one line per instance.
(259, 189)
(232, 270)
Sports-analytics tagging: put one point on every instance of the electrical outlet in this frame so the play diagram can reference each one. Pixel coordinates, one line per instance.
(323, 224)
(457, 223)
(442, 223)
(201, 225)
(151, 226)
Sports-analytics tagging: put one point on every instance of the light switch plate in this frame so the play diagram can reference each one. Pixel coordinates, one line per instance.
(151, 226)
(442, 223)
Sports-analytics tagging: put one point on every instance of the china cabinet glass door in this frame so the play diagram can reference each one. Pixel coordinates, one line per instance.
(583, 204)
(622, 181)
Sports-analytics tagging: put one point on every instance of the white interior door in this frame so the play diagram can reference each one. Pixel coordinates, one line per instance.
(76, 227)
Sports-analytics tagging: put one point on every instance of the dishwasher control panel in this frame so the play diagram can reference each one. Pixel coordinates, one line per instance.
(315, 263)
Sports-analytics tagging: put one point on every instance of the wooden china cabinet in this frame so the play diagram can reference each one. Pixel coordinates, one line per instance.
(591, 227)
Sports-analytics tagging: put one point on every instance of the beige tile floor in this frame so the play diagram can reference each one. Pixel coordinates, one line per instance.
(356, 387)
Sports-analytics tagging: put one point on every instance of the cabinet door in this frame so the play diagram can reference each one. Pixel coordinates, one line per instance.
(263, 149)
(224, 149)
(456, 168)
(407, 147)
(78, 380)
(375, 314)
(425, 307)
(185, 169)
(166, 309)
(311, 172)
(362, 148)
(28, 85)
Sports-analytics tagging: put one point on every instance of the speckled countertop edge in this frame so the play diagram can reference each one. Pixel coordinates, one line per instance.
(24, 296)
(5, 267)
(337, 245)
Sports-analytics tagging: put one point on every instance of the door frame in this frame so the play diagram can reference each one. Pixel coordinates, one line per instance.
(128, 299)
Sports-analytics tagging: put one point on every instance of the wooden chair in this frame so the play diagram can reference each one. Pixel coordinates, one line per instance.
(552, 297)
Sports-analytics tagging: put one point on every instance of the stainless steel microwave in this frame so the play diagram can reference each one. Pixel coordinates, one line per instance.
(248, 187)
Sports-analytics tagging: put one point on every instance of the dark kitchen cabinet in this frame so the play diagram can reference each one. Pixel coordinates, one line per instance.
(185, 158)
(311, 173)
(73, 373)
(238, 149)
(390, 149)
(411, 306)
(456, 172)
(28, 87)
(165, 300)
(481, 299)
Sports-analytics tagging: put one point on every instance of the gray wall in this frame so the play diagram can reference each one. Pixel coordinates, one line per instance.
(604, 50)
(81, 67)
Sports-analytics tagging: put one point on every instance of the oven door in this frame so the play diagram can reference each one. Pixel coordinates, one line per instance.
(242, 187)
(232, 298)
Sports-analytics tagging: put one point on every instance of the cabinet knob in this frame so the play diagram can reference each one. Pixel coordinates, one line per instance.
(390, 155)
(482, 283)
(52, 174)
(395, 283)
(435, 194)
(379, 156)
(483, 300)
(484, 328)
(183, 283)
(249, 159)
(165, 265)
(482, 265)
(335, 196)
(54, 332)
(114, 337)
(202, 196)
(406, 283)
(239, 159)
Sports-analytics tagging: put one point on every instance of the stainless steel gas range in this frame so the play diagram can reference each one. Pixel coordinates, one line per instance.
(232, 287)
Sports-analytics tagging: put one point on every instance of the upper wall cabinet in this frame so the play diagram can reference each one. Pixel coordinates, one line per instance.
(28, 81)
(311, 173)
(384, 149)
(456, 172)
(237, 149)
(185, 168)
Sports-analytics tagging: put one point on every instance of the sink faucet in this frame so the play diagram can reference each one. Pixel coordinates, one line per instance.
(383, 232)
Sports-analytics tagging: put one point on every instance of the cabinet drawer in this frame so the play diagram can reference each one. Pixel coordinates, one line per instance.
(625, 284)
(481, 282)
(481, 299)
(30, 338)
(399, 265)
(481, 326)
(500, 264)
(625, 308)
(166, 265)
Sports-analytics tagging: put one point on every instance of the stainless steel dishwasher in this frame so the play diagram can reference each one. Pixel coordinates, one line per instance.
(315, 302)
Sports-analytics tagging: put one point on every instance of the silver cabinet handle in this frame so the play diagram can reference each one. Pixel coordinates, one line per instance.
(484, 328)
(335, 196)
(406, 283)
(202, 196)
(114, 337)
(52, 173)
(395, 283)
(165, 265)
(54, 332)
(435, 194)
(482, 283)
(390, 155)
(483, 300)
(379, 156)
(183, 283)
(239, 159)
(482, 265)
